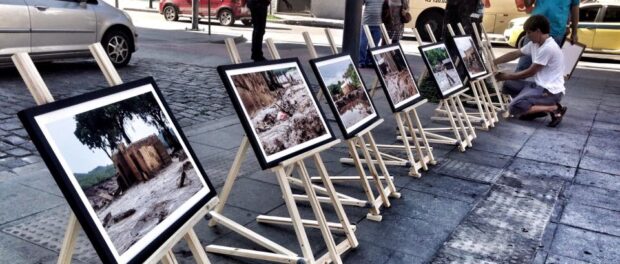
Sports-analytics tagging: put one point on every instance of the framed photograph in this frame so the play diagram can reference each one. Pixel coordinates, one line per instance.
(572, 53)
(345, 92)
(396, 77)
(470, 56)
(439, 63)
(277, 109)
(123, 165)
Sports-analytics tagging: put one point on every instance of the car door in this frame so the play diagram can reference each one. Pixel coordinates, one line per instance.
(62, 25)
(14, 28)
(587, 24)
(608, 30)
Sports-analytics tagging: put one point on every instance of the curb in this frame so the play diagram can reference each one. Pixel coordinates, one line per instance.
(309, 23)
(147, 10)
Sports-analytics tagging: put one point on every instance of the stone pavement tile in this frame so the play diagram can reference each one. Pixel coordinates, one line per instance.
(608, 114)
(557, 259)
(548, 236)
(449, 187)
(367, 253)
(226, 138)
(603, 147)
(444, 212)
(21, 252)
(403, 258)
(601, 165)
(534, 168)
(571, 124)
(540, 258)
(598, 179)
(505, 140)
(592, 218)
(38, 177)
(554, 147)
(255, 196)
(480, 157)
(469, 171)
(584, 245)
(208, 234)
(19, 201)
(409, 235)
(219, 164)
(12, 162)
(593, 196)
(537, 187)
(604, 129)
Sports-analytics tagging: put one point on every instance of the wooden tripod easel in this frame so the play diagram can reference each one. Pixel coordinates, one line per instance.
(464, 132)
(42, 95)
(358, 142)
(283, 173)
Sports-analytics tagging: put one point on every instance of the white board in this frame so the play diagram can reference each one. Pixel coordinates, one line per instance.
(572, 54)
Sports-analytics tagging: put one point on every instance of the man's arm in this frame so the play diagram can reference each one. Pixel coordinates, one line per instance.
(529, 72)
(574, 22)
(508, 57)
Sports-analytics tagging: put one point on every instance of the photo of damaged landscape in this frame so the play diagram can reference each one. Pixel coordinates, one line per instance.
(439, 62)
(279, 113)
(127, 165)
(345, 92)
(470, 56)
(396, 78)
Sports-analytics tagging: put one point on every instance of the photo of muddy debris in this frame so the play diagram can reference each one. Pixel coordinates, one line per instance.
(280, 106)
(396, 76)
(470, 56)
(130, 165)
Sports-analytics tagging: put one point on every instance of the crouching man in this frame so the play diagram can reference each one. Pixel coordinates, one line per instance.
(543, 96)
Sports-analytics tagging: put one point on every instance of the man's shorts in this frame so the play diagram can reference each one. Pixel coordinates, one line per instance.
(526, 94)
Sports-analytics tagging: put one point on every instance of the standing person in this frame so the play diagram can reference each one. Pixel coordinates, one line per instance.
(397, 9)
(558, 13)
(258, 8)
(372, 18)
(545, 93)
(464, 12)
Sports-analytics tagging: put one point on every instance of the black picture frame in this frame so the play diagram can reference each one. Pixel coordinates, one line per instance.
(447, 63)
(399, 60)
(42, 123)
(332, 65)
(470, 56)
(300, 107)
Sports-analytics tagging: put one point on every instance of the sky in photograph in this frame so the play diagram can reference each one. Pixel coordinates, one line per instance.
(463, 43)
(80, 158)
(332, 73)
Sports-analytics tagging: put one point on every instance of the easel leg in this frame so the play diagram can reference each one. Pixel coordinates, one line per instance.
(231, 178)
(455, 129)
(479, 104)
(467, 122)
(374, 211)
(415, 141)
(420, 130)
(68, 243)
(373, 172)
(459, 119)
(386, 174)
(403, 132)
(194, 245)
(488, 98)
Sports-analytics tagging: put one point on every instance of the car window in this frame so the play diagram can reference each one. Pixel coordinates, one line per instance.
(612, 14)
(588, 14)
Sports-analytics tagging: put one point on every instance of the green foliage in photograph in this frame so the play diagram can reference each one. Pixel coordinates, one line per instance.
(351, 74)
(97, 175)
(436, 56)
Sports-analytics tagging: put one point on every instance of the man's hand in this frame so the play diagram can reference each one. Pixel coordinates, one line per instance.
(288, 5)
(573, 37)
(501, 76)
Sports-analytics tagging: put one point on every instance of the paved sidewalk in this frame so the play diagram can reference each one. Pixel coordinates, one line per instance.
(524, 193)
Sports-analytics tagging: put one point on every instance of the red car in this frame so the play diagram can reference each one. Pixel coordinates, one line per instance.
(226, 11)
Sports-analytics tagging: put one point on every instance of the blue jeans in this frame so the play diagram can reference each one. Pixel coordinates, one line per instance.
(526, 94)
(525, 61)
(365, 57)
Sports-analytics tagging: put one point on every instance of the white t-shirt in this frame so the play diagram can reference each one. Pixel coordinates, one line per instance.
(549, 55)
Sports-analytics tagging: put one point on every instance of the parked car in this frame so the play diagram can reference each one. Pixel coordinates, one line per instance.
(599, 28)
(226, 11)
(62, 29)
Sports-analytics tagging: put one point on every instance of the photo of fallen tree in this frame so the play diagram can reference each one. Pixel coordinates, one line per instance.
(396, 77)
(129, 163)
(280, 108)
(470, 56)
(346, 91)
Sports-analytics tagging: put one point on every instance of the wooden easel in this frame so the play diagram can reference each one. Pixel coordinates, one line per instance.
(489, 57)
(424, 151)
(486, 115)
(353, 145)
(42, 95)
(464, 132)
(283, 173)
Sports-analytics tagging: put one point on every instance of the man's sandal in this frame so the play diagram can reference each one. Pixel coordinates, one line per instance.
(557, 115)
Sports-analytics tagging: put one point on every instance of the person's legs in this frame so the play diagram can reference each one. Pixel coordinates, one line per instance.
(525, 61)
(363, 48)
(514, 87)
(521, 103)
(259, 22)
(375, 32)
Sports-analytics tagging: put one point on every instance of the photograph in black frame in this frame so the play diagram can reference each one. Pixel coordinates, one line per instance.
(440, 65)
(124, 166)
(470, 56)
(280, 115)
(396, 76)
(346, 93)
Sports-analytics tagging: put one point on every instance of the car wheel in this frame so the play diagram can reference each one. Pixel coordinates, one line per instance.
(246, 22)
(434, 19)
(520, 41)
(117, 45)
(226, 17)
(171, 13)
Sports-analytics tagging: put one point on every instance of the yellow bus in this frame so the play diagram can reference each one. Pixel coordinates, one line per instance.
(495, 20)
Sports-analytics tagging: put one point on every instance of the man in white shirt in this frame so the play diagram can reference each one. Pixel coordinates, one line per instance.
(536, 99)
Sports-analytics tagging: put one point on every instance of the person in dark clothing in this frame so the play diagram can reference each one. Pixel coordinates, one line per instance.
(259, 22)
(464, 12)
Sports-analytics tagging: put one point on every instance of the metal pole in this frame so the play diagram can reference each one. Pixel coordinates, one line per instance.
(116, 3)
(150, 3)
(351, 34)
(195, 5)
(209, 18)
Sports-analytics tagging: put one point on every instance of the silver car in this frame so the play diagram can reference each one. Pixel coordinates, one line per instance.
(62, 29)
